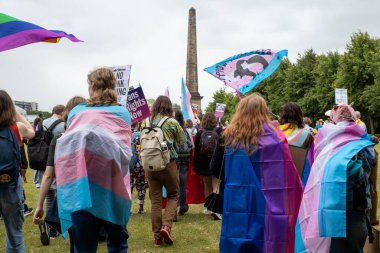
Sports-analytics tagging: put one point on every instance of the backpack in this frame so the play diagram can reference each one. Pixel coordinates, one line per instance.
(10, 156)
(154, 153)
(38, 147)
(208, 141)
(184, 150)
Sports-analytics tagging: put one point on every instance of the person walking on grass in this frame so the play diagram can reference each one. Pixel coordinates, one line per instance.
(49, 175)
(138, 179)
(13, 129)
(162, 121)
(206, 140)
(92, 168)
(184, 152)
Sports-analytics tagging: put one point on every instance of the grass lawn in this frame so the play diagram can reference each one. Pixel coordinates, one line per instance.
(194, 232)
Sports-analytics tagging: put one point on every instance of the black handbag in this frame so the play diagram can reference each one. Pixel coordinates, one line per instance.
(214, 201)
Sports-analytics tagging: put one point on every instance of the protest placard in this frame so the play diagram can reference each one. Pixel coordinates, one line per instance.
(341, 96)
(219, 110)
(122, 82)
(137, 105)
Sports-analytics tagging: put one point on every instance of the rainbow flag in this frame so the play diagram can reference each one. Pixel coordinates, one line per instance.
(323, 209)
(243, 72)
(187, 110)
(92, 164)
(16, 33)
(262, 195)
(302, 138)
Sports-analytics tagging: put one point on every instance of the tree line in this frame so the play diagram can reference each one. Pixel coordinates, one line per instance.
(311, 81)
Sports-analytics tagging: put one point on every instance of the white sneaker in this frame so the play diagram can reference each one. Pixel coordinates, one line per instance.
(206, 211)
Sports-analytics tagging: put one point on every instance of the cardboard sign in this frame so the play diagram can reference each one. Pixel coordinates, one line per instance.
(122, 74)
(137, 105)
(219, 110)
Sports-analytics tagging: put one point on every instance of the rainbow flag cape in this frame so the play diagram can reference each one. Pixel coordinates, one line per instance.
(245, 71)
(92, 164)
(187, 110)
(303, 139)
(323, 209)
(16, 33)
(262, 195)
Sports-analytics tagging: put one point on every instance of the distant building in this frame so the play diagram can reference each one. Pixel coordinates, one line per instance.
(27, 106)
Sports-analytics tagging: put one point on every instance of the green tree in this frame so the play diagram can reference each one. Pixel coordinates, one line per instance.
(359, 67)
(41, 114)
(320, 97)
(300, 77)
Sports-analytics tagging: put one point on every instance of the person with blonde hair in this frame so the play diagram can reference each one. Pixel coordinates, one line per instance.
(262, 191)
(92, 168)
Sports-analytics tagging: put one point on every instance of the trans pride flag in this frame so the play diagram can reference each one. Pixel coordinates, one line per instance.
(262, 195)
(16, 33)
(245, 71)
(300, 137)
(92, 164)
(187, 110)
(322, 213)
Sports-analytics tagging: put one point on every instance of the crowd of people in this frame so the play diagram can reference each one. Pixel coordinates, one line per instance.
(278, 176)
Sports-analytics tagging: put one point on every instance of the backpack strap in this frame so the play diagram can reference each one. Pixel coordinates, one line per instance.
(147, 122)
(162, 121)
(55, 123)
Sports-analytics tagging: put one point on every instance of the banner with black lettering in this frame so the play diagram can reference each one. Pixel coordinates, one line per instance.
(122, 74)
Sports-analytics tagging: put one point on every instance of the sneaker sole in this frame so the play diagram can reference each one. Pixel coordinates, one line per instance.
(166, 237)
(45, 240)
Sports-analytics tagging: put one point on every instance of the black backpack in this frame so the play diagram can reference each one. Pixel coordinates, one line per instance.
(10, 156)
(38, 147)
(208, 141)
(184, 150)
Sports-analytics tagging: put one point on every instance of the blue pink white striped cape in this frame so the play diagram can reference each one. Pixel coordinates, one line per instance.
(300, 137)
(262, 195)
(92, 164)
(323, 209)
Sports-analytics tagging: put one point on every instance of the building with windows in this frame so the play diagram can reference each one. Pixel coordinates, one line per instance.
(27, 106)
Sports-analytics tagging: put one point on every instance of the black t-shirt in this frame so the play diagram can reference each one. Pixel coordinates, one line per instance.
(53, 143)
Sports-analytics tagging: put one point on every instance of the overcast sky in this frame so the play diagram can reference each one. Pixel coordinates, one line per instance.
(151, 35)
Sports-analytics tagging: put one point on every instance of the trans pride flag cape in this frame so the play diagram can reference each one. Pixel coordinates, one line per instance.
(16, 33)
(322, 213)
(262, 195)
(92, 164)
(300, 137)
(243, 72)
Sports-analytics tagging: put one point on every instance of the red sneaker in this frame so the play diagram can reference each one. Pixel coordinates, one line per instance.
(165, 234)
(158, 242)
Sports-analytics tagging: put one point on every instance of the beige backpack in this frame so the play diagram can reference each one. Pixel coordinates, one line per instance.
(154, 152)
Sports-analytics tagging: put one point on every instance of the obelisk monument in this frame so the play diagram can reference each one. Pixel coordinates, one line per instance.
(191, 64)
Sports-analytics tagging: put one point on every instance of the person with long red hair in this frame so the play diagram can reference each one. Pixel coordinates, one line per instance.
(262, 191)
